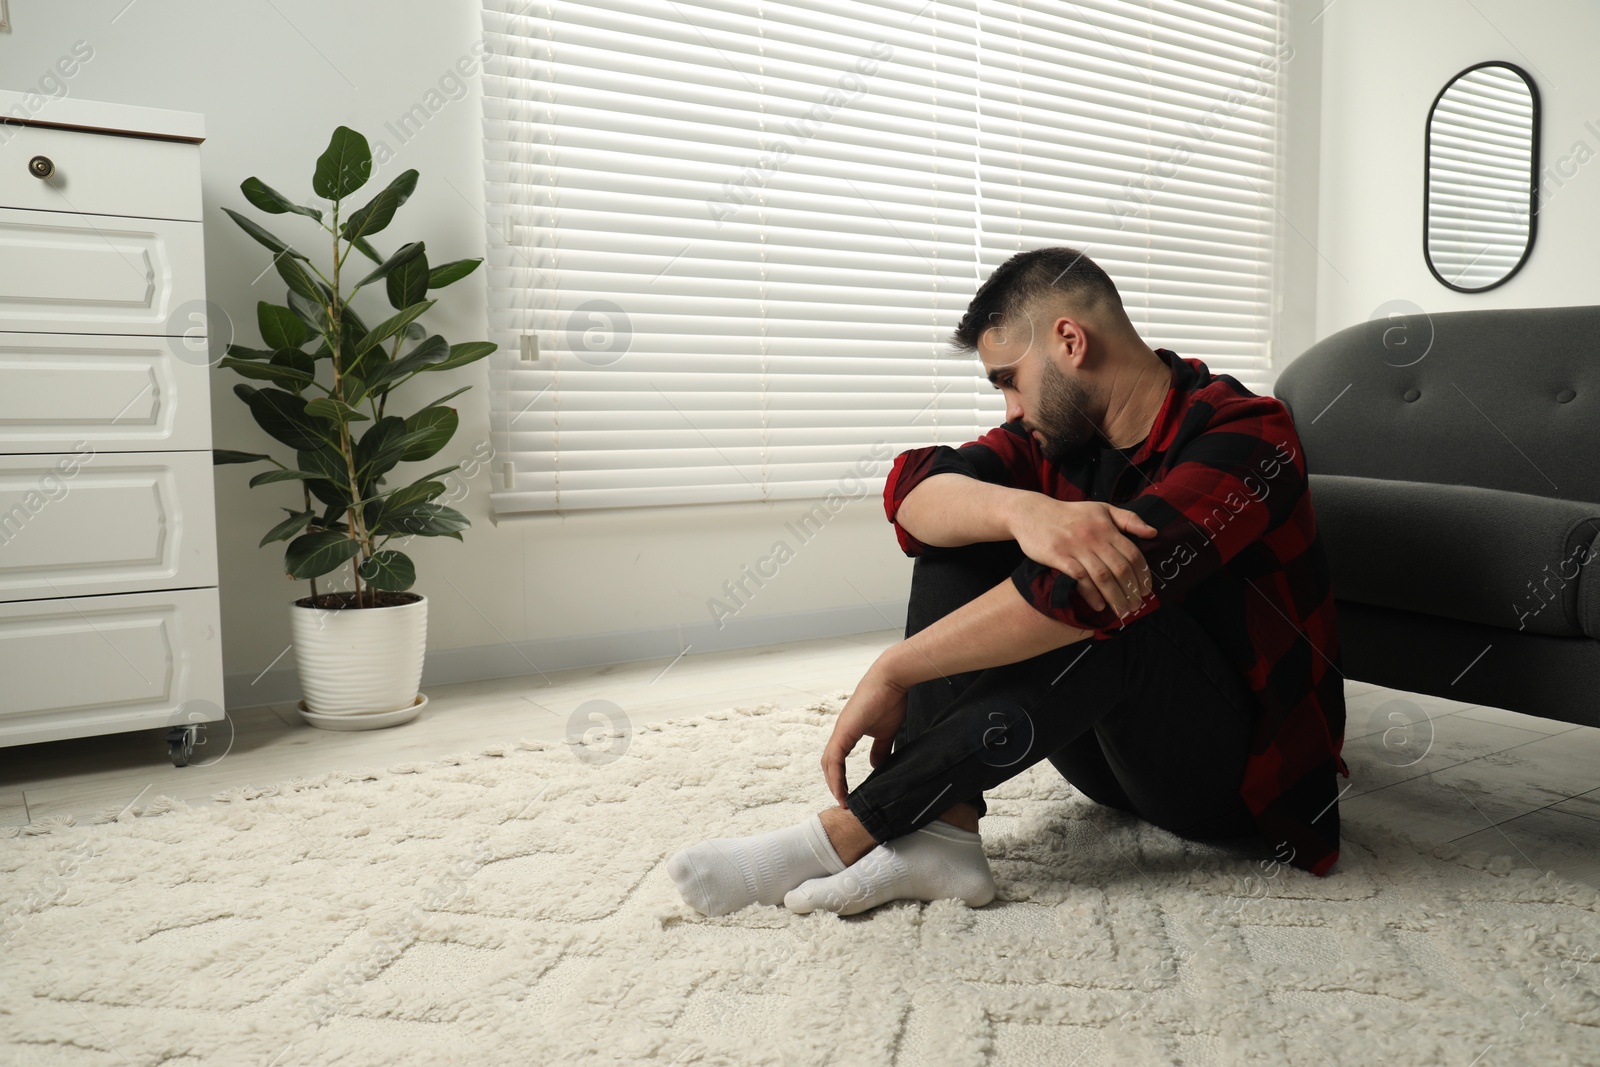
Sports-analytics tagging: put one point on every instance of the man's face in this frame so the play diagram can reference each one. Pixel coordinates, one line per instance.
(1053, 406)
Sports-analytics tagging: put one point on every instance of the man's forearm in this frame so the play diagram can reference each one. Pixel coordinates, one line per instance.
(998, 627)
(949, 510)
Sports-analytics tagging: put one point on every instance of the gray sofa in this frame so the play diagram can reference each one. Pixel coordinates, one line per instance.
(1454, 466)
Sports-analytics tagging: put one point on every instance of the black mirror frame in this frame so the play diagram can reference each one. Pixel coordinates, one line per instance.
(1533, 183)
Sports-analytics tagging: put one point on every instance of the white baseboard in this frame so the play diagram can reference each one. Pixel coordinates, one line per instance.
(281, 685)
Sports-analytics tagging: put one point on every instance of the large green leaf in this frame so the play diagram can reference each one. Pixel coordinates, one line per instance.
(442, 470)
(314, 554)
(329, 407)
(431, 350)
(378, 212)
(241, 352)
(273, 202)
(390, 570)
(297, 521)
(283, 416)
(299, 279)
(281, 248)
(462, 354)
(392, 325)
(310, 310)
(280, 326)
(300, 361)
(418, 492)
(377, 444)
(344, 166)
(423, 489)
(268, 477)
(407, 443)
(449, 396)
(402, 254)
(408, 282)
(327, 461)
(386, 444)
(454, 271)
(423, 520)
(441, 425)
(332, 494)
(289, 377)
(219, 456)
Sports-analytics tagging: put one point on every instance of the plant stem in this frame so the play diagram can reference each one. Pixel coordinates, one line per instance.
(336, 342)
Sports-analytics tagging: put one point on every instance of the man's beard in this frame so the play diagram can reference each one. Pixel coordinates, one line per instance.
(1062, 415)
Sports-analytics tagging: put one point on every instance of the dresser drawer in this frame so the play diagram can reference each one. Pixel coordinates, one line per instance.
(117, 394)
(94, 665)
(100, 174)
(66, 273)
(86, 522)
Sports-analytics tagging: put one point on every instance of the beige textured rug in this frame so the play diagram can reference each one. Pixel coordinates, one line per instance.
(511, 907)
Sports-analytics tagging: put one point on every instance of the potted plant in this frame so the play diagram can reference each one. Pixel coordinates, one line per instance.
(326, 378)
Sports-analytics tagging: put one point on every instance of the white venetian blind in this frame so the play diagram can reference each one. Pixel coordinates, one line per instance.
(736, 234)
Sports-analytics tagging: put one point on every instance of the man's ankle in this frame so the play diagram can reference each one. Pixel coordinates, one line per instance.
(963, 816)
(846, 834)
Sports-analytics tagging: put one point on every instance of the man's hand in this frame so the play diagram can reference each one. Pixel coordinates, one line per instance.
(1084, 540)
(875, 710)
(996, 628)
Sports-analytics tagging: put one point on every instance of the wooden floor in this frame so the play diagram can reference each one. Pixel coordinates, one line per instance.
(1433, 769)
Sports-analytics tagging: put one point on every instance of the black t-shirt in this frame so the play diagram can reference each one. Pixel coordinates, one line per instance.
(1111, 463)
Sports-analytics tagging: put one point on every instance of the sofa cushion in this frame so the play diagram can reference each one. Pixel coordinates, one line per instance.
(1512, 560)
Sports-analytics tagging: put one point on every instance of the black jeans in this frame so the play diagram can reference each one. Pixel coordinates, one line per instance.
(1154, 720)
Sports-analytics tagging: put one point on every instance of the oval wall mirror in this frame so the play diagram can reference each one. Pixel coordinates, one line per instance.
(1481, 177)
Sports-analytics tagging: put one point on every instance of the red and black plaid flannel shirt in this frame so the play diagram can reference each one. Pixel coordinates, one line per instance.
(1222, 477)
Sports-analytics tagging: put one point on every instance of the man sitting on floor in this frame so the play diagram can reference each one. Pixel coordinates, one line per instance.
(1190, 676)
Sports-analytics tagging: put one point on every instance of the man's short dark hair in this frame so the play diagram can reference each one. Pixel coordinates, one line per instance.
(1026, 277)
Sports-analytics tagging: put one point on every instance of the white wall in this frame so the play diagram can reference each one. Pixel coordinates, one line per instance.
(273, 80)
(1294, 303)
(1383, 64)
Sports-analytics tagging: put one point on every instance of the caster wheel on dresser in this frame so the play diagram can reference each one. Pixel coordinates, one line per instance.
(181, 742)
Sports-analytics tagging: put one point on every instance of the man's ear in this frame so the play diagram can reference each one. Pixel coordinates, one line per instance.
(1069, 338)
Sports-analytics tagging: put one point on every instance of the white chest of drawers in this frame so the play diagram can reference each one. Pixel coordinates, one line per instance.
(108, 559)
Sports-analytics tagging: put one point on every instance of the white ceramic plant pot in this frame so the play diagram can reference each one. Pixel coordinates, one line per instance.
(360, 662)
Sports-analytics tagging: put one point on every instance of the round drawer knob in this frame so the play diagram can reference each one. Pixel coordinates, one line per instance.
(41, 167)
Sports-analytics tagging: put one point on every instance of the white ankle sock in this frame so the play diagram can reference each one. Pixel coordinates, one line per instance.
(724, 874)
(934, 863)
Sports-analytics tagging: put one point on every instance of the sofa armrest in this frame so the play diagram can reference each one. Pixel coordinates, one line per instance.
(1513, 560)
(1589, 589)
